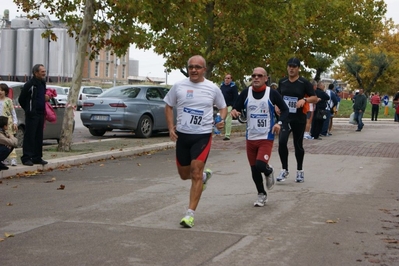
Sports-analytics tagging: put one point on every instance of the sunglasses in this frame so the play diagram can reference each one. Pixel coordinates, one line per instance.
(293, 66)
(257, 75)
(196, 67)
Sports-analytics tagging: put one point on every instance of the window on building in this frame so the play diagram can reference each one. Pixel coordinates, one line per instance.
(96, 68)
(123, 71)
(107, 69)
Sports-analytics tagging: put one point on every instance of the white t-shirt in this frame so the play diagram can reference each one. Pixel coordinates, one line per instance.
(194, 103)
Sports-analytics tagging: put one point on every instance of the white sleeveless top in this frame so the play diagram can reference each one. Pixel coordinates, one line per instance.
(260, 119)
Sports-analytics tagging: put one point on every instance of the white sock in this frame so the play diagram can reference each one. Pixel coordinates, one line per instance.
(203, 177)
(190, 212)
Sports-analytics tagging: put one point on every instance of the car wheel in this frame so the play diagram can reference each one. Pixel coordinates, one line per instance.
(97, 132)
(144, 127)
(20, 136)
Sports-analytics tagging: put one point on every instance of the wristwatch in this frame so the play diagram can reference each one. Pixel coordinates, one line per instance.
(305, 99)
(279, 123)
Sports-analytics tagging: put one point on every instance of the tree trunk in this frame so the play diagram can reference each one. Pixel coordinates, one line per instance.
(68, 122)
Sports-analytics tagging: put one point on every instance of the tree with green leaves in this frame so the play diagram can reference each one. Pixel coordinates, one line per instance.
(233, 36)
(96, 25)
(373, 66)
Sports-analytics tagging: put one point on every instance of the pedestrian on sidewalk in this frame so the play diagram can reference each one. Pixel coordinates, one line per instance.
(375, 106)
(7, 109)
(309, 115)
(32, 100)
(320, 107)
(194, 99)
(330, 107)
(230, 94)
(7, 142)
(359, 106)
(293, 90)
(261, 129)
(395, 104)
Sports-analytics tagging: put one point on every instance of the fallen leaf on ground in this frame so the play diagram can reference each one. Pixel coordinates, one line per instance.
(49, 181)
(331, 222)
(8, 235)
(138, 164)
(61, 187)
(391, 241)
(9, 204)
(102, 164)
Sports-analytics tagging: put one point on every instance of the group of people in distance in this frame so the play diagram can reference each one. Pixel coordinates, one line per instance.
(320, 115)
(33, 100)
(194, 99)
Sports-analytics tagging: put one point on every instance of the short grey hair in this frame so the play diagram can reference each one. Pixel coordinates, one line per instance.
(36, 67)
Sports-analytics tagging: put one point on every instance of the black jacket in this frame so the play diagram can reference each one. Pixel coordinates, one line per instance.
(322, 104)
(32, 98)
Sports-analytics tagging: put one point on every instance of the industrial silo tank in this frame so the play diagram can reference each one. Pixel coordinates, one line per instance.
(40, 44)
(7, 53)
(39, 23)
(70, 56)
(57, 53)
(23, 59)
(18, 23)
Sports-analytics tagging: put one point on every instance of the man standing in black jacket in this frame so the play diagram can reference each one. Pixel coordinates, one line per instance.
(230, 94)
(320, 108)
(32, 100)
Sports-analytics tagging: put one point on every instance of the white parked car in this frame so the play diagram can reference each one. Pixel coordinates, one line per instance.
(87, 92)
(61, 97)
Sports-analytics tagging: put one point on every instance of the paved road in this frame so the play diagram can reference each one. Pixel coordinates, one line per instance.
(126, 211)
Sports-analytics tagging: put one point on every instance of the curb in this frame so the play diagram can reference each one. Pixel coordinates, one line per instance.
(85, 158)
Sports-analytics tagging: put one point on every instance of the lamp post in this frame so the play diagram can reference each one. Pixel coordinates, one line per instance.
(166, 76)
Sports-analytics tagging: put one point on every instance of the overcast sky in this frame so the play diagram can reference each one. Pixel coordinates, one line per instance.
(152, 65)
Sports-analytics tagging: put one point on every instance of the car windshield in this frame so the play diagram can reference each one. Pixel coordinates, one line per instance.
(92, 90)
(60, 91)
(129, 92)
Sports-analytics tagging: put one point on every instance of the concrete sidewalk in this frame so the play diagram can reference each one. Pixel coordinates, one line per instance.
(381, 131)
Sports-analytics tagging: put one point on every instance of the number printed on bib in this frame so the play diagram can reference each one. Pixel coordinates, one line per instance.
(259, 123)
(192, 118)
(291, 103)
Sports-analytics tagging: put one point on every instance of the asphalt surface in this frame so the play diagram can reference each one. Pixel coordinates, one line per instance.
(122, 206)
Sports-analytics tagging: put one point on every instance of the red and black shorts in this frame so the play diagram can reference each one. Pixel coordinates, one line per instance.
(192, 147)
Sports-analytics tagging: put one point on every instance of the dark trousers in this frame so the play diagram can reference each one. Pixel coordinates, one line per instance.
(297, 132)
(4, 152)
(317, 125)
(326, 123)
(32, 148)
(374, 112)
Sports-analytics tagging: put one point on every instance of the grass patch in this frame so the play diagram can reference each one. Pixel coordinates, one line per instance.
(345, 110)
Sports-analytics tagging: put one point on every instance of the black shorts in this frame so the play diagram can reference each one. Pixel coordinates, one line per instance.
(192, 147)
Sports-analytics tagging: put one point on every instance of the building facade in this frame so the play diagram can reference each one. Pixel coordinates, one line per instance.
(22, 46)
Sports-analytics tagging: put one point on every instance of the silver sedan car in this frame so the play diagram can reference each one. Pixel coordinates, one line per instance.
(137, 108)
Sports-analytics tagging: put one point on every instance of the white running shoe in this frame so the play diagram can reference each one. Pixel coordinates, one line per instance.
(260, 202)
(208, 173)
(283, 175)
(14, 162)
(270, 180)
(300, 176)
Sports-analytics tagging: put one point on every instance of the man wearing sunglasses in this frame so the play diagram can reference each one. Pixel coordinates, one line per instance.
(194, 99)
(260, 101)
(296, 91)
